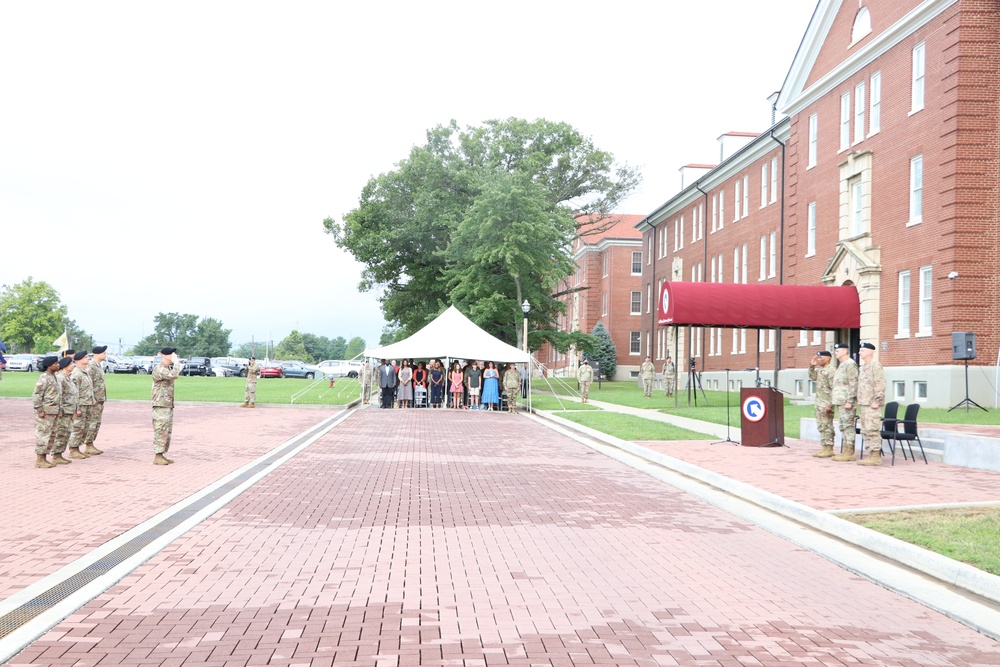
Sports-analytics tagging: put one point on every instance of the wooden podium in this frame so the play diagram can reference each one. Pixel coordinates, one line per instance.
(762, 417)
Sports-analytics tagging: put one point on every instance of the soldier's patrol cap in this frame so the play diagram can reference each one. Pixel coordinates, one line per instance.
(253, 358)
(867, 346)
(167, 351)
(824, 353)
(842, 346)
(49, 360)
(586, 361)
(100, 348)
(79, 355)
(64, 362)
(68, 353)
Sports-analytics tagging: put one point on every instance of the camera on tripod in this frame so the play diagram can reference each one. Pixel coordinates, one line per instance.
(692, 364)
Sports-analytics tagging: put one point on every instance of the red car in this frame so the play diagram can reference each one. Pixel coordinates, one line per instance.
(271, 370)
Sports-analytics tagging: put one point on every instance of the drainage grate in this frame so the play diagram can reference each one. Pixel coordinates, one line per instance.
(44, 601)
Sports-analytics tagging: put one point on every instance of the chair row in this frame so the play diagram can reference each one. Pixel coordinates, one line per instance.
(895, 430)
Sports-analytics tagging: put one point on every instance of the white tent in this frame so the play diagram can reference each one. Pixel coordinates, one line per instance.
(450, 335)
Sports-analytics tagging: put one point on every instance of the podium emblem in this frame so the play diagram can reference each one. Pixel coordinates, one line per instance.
(754, 409)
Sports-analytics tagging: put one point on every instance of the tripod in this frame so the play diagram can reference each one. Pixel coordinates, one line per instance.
(967, 401)
(728, 439)
(694, 383)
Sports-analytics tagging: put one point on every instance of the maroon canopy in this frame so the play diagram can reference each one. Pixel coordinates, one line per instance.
(759, 306)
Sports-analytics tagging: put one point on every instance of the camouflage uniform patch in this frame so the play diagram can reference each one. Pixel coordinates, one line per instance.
(45, 400)
(845, 391)
(823, 410)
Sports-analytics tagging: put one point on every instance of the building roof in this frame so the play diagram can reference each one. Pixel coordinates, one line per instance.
(618, 226)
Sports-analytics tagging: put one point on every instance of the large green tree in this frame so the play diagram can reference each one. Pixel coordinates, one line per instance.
(604, 356)
(292, 347)
(189, 335)
(31, 311)
(355, 346)
(483, 218)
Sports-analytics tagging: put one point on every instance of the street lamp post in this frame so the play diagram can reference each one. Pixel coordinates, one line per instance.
(525, 308)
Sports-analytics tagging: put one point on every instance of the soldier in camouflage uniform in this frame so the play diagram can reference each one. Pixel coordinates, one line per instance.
(164, 375)
(250, 395)
(366, 377)
(871, 400)
(96, 373)
(68, 408)
(512, 385)
(45, 401)
(669, 377)
(845, 397)
(585, 376)
(647, 372)
(82, 419)
(821, 372)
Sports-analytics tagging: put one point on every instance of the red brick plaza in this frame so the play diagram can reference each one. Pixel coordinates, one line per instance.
(444, 538)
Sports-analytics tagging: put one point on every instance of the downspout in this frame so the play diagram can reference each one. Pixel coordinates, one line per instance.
(704, 263)
(781, 255)
(652, 281)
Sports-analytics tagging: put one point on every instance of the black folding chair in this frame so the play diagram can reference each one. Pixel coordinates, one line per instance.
(908, 433)
(888, 424)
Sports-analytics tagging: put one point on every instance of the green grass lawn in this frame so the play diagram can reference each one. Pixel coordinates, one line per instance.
(968, 535)
(629, 427)
(207, 389)
(544, 402)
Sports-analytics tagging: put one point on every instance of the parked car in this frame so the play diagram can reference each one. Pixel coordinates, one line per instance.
(24, 362)
(222, 371)
(297, 369)
(236, 366)
(197, 366)
(145, 364)
(125, 365)
(338, 368)
(271, 369)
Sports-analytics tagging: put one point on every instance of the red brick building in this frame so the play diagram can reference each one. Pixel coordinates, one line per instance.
(606, 288)
(885, 175)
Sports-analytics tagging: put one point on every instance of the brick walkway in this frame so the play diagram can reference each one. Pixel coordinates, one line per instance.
(412, 537)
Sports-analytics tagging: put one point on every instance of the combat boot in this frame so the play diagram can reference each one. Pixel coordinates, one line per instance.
(160, 460)
(825, 453)
(59, 460)
(245, 405)
(846, 455)
(90, 450)
(42, 462)
(874, 458)
(75, 453)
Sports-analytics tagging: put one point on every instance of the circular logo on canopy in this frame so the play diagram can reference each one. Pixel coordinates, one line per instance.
(754, 409)
(665, 305)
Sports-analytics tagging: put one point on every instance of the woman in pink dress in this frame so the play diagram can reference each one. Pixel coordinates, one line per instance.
(457, 385)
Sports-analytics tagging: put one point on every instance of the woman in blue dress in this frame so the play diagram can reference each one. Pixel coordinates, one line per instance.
(437, 383)
(491, 383)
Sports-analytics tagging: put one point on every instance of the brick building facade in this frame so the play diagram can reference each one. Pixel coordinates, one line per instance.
(884, 174)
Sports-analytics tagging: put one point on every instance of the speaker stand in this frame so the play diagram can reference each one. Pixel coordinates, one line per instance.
(967, 401)
(728, 439)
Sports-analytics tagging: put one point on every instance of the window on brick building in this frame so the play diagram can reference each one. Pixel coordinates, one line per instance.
(859, 112)
(634, 342)
(924, 306)
(875, 105)
(903, 306)
(774, 180)
(736, 202)
(772, 256)
(649, 249)
(763, 258)
(917, 84)
(899, 390)
(920, 391)
(701, 221)
(764, 182)
(811, 229)
(813, 140)
(845, 121)
(637, 263)
(862, 25)
(746, 262)
(636, 304)
(722, 207)
(803, 338)
(772, 336)
(649, 296)
(857, 218)
(736, 265)
(721, 279)
(916, 190)
(715, 213)
(604, 303)
(817, 335)
(746, 196)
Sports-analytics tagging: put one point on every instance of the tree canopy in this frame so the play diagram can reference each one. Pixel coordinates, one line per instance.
(605, 354)
(190, 336)
(31, 316)
(483, 218)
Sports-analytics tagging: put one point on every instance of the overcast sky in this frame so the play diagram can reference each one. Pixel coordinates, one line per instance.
(181, 157)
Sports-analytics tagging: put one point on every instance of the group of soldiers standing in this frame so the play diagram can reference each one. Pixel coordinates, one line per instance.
(69, 404)
(854, 393)
(647, 373)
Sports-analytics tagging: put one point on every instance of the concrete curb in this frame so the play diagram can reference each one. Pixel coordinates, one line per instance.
(939, 567)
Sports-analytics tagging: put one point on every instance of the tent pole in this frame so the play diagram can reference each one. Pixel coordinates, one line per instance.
(677, 366)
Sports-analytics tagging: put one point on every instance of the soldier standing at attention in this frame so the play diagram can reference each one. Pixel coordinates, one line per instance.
(845, 396)
(365, 377)
(164, 375)
(85, 407)
(68, 408)
(585, 375)
(871, 400)
(512, 384)
(95, 370)
(45, 401)
(821, 372)
(647, 372)
(669, 377)
(250, 395)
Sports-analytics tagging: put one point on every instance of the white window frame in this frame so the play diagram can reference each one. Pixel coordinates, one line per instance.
(903, 305)
(899, 390)
(764, 182)
(817, 336)
(811, 229)
(634, 343)
(845, 121)
(649, 248)
(715, 213)
(636, 263)
(772, 256)
(722, 208)
(649, 297)
(635, 298)
(920, 391)
(918, 77)
(763, 258)
(736, 201)
(746, 196)
(774, 180)
(721, 278)
(604, 304)
(607, 262)
(875, 104)
(803, 338)
(813, 141)
(925, 304)
(713, 274)
(772, 337)
(857, 218)
(859, 112)
(916, 190)
(746, 262)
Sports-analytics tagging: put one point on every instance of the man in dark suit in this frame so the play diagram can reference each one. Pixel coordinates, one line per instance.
(387, 382)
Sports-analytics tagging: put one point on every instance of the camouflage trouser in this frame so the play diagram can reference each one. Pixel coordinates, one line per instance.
(45, 432)
(669, 383)
(163, 426)
(585, 390)
(63, 427)
(647, 387)
(824, 422)
(512, 398)
(81, 424)
(366, 393)
(96, 415)
(871, 426)
(845, 418)
(250, 395)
